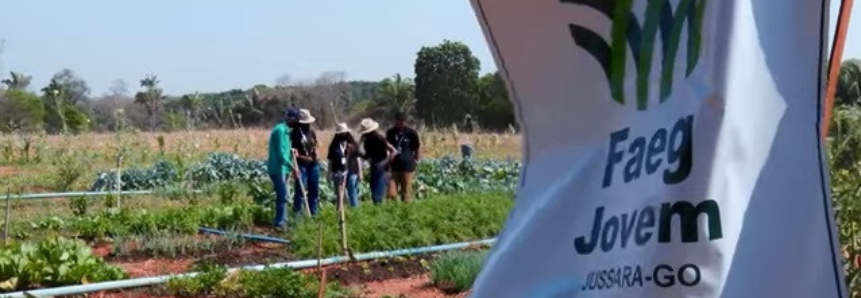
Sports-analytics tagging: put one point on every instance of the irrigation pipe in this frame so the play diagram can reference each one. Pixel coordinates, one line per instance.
(252, 237)
(38, 196)
(150, 281)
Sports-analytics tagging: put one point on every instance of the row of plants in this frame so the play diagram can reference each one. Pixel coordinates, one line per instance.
(115, 222)
(169, 171)
(440, 220)
(434, 176)
(452, 272)
(216, 281)
(53, 262)
(171, 245)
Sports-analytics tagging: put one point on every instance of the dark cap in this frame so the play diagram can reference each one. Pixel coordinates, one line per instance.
(400, 116)
(291, 113)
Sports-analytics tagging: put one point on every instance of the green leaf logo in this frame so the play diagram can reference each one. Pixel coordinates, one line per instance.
(627, 33)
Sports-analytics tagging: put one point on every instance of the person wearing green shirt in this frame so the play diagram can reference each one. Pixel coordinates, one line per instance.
(280, 164)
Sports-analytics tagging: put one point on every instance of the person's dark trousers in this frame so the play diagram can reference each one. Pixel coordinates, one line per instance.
(378, 183)
(310, 175)
(280, 184)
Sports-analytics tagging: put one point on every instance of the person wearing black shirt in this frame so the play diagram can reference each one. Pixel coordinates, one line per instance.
(408, 144)
(378, 152)
(304, 141)
(344, 165)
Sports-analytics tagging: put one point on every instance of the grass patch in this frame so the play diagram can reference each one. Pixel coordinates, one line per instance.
(438, 220)
(454, 272)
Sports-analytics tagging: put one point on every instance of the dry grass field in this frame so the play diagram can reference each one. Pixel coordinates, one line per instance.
(37, 163)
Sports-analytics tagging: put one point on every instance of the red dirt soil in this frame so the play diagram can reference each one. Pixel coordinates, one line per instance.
(8, 170)
(413, 287)
(154, 267)
(395, 277)
(402, 277)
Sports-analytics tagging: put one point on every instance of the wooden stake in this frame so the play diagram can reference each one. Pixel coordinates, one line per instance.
(342, 186)
(319, 246)
(301, 183)
(835, 61)
(322, 290)
(119, 187)
(6, 220)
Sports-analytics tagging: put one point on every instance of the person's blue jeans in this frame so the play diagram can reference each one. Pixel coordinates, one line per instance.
(378, 182)
(351, 184)
(279, 182)
(353, 189)
(310, 175)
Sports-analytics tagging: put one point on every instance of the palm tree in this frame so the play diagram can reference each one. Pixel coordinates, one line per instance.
(191, 104)
(849, 83)
(17, 81)
(55, 93)
(150, 98)
(396, 94)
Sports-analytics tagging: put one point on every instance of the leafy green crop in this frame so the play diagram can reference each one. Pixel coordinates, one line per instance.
(215, 281)
(217, 167)
(53, 262)
(456, 271)
(185, 220)
(445, 175)
(845, 163)
(439, 220)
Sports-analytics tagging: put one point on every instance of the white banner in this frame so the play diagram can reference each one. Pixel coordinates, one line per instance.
(671, 150)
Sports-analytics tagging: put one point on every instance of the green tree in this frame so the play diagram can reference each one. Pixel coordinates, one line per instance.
(191, 104)
(395, 94)
(849, 83)
(77, 120)
(21, 110)
(493, 109)
(151, 98)
(17, 81)
(445, 83)
(53, 100)
(74, 89)
(174, 121)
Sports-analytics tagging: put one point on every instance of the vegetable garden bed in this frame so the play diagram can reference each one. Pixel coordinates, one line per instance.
(156, 242)
(457, 201)
(365, 279)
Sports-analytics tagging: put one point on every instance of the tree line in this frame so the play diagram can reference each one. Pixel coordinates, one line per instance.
(447, 89)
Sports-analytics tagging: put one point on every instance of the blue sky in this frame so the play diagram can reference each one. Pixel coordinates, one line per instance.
(213, 45)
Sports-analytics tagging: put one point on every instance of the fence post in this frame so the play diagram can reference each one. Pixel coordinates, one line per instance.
(6, 218)
(119, 181)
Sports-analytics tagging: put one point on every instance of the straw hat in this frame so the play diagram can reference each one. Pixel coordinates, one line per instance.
(368, 125)
(305, 116)
(342, 128)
